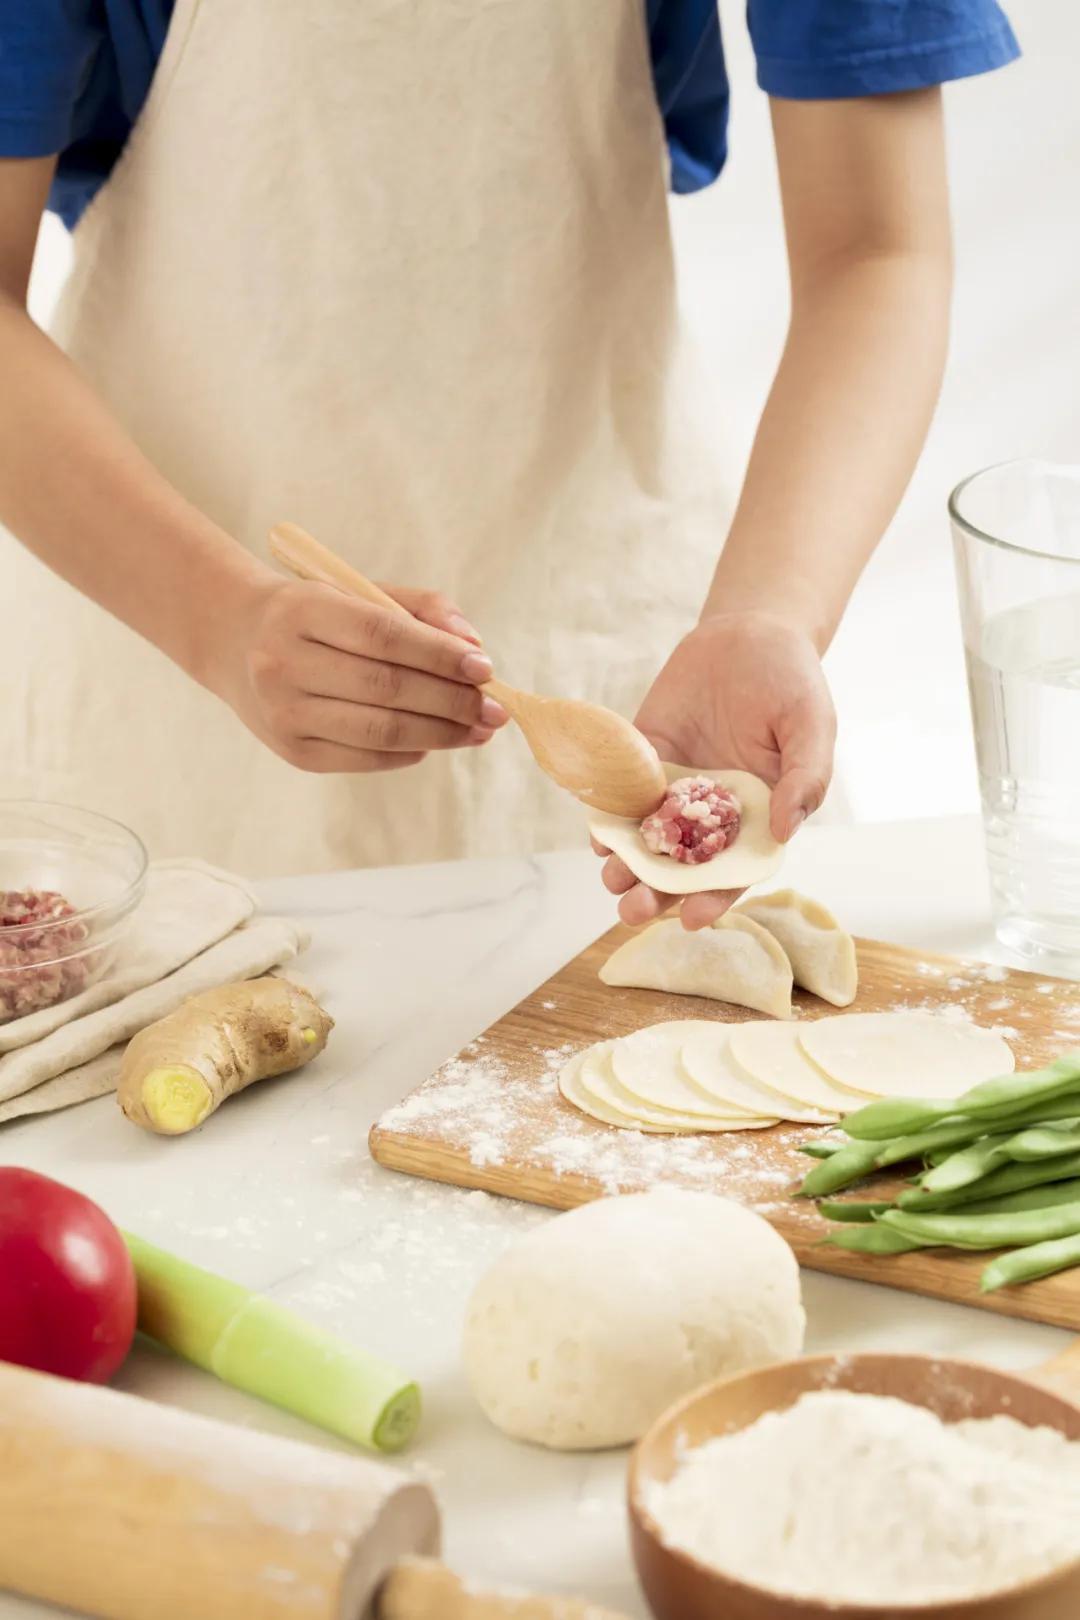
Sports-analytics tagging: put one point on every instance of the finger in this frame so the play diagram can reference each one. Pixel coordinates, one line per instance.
(368, 631)
(325, 759)
(384, 731)
(431, 607)
(642, 904)
(806, 762)
(598, 848)
(325, 672)
(702, 910)
(616, 878)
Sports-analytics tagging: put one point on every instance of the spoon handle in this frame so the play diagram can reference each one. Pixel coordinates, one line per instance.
(308, 558)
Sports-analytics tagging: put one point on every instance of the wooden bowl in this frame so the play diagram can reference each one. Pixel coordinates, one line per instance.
(679, 1587)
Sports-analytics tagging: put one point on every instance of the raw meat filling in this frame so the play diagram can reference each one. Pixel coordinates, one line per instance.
(34, 934)
(695, 822)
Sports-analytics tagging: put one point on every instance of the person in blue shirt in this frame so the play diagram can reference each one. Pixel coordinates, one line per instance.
(402, 272)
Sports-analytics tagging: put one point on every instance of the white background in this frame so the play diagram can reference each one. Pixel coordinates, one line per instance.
(1013, 386)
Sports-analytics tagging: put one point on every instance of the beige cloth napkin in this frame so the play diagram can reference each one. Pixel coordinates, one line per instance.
(195, 929)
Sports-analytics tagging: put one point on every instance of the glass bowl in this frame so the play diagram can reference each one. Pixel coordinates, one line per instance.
(70, 881)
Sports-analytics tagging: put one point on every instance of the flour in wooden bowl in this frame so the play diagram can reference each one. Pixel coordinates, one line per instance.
(846, 1498)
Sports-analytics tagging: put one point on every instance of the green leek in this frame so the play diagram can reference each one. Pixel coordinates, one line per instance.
(257, 1345)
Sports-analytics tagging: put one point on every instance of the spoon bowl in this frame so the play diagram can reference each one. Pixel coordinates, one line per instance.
(598, 756)
(680, 1587)
(595, 754)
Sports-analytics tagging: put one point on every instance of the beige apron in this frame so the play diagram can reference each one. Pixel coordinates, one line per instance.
(398, 270)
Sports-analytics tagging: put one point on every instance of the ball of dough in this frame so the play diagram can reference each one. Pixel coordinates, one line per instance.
(583, 1332)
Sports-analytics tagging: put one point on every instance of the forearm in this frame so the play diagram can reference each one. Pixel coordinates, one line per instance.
(839, 437)
(79, 494)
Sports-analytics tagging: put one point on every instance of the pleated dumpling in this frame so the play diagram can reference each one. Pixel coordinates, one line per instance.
(821, 953)
(735, 960)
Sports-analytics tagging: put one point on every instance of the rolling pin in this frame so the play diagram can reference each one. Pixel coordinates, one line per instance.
(122, 1508)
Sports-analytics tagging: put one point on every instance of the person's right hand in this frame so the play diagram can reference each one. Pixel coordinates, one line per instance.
(331, 683)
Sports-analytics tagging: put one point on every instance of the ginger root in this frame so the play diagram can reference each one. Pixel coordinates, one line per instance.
(178, 1071)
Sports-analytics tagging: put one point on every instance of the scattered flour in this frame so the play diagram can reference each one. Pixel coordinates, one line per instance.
(501, 1111)
(847, 1498)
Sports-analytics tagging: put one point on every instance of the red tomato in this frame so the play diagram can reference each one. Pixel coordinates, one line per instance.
(67, 1284)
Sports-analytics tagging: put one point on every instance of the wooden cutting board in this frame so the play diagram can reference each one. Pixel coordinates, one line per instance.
(492, 1118)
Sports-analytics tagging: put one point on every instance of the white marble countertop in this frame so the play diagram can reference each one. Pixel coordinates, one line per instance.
(278, 1190)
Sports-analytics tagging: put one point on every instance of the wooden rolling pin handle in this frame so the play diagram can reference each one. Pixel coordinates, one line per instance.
(419, 1589)
(123, 1509)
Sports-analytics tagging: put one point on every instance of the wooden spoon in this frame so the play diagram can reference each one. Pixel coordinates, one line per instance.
(597, 755)
(679, 1587)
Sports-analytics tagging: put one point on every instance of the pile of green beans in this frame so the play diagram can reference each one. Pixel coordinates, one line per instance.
(999, 1169)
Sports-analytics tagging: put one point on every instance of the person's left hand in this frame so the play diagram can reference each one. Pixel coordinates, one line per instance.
(743, 691)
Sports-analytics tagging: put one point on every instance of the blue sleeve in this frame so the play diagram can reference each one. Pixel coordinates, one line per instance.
(691, 83)
(48, 53)
(829, 49)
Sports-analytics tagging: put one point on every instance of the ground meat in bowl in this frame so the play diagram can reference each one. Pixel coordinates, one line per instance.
(696, 821)
(38, 964)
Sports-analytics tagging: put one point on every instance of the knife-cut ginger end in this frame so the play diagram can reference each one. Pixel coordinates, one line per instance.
(176, 1100)
(176, 1072)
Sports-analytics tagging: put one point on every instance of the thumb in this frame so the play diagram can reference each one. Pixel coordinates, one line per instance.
(806, 764)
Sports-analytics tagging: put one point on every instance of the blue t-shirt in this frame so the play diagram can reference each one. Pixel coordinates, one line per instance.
(74, 73)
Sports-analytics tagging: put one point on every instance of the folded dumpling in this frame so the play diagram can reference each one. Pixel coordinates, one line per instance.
(735, 960)
(821, 953)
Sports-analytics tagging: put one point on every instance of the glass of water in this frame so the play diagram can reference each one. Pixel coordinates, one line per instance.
(1016, 533)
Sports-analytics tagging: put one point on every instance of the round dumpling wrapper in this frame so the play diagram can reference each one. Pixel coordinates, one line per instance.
(575, 1094)
(596, 1079)
(905, 1053)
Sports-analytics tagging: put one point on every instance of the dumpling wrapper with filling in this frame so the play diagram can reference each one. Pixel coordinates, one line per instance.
(735, 960)
(821, 953)
(754, 856)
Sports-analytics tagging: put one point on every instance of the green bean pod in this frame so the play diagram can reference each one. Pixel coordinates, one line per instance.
(992, 1099)
(969, 1165)
(1009, 1230)
(859, 1158)
(874, 1239)
(1027, 1264)
(852, 1210)
(1045, 1142)
(820, 1150)
(991, 1152)
(1010, 1178)
(1045, 1197)
(953, 1134)
(851, 1163)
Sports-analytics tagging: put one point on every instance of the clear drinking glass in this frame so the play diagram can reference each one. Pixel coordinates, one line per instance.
(1016, 534)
